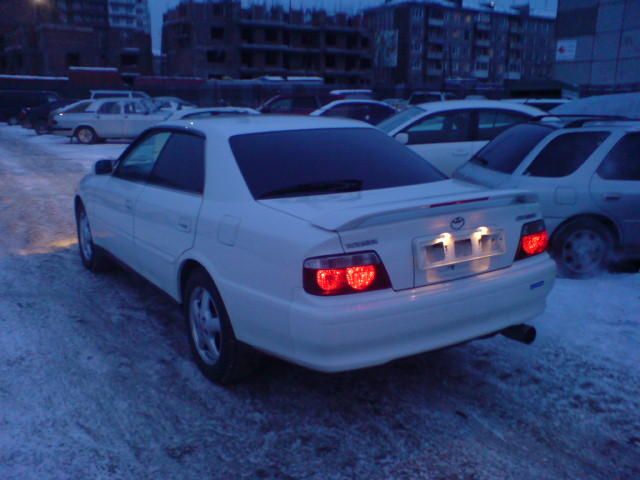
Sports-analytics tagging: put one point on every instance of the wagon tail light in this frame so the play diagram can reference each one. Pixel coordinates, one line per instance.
(534, 239)
(343, 274)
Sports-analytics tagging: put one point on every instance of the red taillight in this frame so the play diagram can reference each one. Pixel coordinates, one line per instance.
(330, 280)
(535, 243)
(361, 278)
(534, 239)
(341, 274)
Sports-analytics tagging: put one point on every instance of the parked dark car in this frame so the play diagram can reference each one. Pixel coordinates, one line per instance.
(13, 101)
(38, 117)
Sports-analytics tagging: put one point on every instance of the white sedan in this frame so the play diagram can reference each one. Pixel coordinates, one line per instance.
(369, 111)
(320, 241)
(447, 134)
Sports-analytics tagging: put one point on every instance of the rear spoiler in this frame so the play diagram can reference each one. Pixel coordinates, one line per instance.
(349, 219)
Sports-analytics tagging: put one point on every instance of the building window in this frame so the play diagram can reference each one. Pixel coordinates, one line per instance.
(128, 59)
(217, 33)
(216, 56)
(271, 58)
(330, 39)
(271, 35)
(73, 59)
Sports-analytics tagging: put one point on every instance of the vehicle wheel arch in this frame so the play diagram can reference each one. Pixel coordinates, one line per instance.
(187, 267)
(590, 216)
(84, 125)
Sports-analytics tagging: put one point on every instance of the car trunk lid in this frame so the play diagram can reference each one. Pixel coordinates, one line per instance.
(424, 234)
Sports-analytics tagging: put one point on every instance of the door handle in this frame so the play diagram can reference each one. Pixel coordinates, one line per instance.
(184, 224)
(612, 197)
(128, 204)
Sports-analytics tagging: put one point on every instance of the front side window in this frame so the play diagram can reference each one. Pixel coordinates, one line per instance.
(400, 118)
(623, 161)
(323, 161)
(441, 128)
(79, 107)
(137, 162)
(493, 122)
(565, 154)
(180, 166)
(109, 108)
(281, 106)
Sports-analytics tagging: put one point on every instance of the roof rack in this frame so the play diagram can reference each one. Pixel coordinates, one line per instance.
(581, 119)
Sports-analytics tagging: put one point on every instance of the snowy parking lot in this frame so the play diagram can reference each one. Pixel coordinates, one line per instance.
(96, 378)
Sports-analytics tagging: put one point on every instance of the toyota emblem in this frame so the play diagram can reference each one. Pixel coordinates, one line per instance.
(457, 223)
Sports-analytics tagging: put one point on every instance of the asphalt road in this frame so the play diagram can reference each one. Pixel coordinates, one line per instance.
(96, 379)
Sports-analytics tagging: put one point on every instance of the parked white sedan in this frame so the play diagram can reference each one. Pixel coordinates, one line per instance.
(321, 241)
(447, 134)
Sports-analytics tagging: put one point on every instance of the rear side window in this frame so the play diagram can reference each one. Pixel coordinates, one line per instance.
(180, 166)
(565, 154)
(623, 161)
(317, 160)
(109, 108)
(508, 149)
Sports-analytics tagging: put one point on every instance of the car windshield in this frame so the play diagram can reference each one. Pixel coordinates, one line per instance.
(505, 152)
(399, 119)
(321, 161)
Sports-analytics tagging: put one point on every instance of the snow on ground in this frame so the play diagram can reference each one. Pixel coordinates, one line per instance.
(96, 379)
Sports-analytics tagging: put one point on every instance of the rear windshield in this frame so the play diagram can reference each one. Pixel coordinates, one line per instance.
(323, 161)
(508, 149)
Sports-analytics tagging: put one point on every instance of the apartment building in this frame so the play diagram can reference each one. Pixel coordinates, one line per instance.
(130, 14)
(425, 43)
(49, 36)
(223, 39)
(598, 43)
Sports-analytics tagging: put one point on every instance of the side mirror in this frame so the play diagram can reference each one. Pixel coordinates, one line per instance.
(403, 138)
(103, 167)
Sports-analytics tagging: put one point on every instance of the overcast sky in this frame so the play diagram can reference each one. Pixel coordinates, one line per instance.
(158, 7)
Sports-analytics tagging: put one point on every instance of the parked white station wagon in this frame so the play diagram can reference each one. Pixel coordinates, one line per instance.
(108, 118)
(321, 241)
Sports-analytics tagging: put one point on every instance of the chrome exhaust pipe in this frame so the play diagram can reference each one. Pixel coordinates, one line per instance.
(521, 333)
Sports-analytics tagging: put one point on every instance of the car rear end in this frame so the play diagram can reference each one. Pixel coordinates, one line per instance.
(422, 264)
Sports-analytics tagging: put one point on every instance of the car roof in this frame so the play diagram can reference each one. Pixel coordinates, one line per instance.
(432, 107)
(228, 126)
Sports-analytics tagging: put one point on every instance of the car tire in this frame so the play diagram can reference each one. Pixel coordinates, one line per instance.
(86, 135)
(582, 248)
(93, 257)
(219, 355)
(41, 128)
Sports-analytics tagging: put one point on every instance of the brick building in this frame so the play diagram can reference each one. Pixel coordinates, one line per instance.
(421, 44)
(49, 36)
(223, 39)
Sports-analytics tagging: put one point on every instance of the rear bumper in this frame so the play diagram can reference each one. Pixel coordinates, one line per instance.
(355, 331)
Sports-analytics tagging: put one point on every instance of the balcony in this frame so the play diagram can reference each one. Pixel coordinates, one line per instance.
(437, 39)
(481, 73)
(434, 71)
(435, 55)
(516, 45)
(483, 26)
(513, 75)
(435, 22)
(483, 42)
(483, 57)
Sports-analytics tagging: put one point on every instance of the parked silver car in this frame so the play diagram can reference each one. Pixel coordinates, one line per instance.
(586, 173)
(108, 118)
